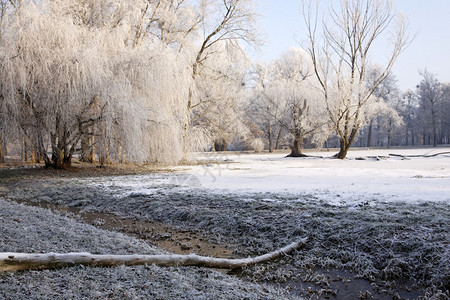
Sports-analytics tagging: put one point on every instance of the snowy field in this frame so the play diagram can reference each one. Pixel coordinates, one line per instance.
(338, 182)
(377, 224)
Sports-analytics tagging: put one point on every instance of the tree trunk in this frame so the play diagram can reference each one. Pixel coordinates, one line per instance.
(269, 128)
(25, 261)
(407, 136)
(121, 154)
(434, 129)
(389, 134)
(25, 150)
(220, 145)
(63, 161)
(296, 149)
(369, 135)
(187, 121)
(92, 152)
(88, 150)
(104, 159)
(61, 155)
(2, 154)
(277, 144)
(345, 144)
(33, 156)
(85, 149)
(343, 151)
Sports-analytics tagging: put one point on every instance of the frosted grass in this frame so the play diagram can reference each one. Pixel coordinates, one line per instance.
(32, 229)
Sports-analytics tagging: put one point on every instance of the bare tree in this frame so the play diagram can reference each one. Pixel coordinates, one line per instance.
(341, 58)
(220, 111)
(222, 21)
(287, 97)
(431, 95)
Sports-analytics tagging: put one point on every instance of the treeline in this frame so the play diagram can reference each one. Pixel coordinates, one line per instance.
(424, 116)
(288, 110)
(152, 80)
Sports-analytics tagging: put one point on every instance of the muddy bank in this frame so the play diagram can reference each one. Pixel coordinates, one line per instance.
(157, 234)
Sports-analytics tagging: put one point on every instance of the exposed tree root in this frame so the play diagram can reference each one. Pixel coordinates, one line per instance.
(25, 261)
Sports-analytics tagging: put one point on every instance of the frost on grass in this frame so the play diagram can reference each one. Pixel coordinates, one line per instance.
(376, 240)
(140, 282)
(32, 229)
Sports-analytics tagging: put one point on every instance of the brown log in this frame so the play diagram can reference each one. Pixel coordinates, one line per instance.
(10, 261)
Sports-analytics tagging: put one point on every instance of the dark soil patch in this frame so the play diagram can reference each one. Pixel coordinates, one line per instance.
(157, 234)
(23, 171)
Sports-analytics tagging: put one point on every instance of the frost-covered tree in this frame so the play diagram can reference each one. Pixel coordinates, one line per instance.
(221, 95)
(68, 80)
(53, 80)
(287, 96)
(408, 112)
(445, 133)
(221, 21)
(431, 97)
(122, 79)
(341, 58)
(260, 122)
(7, 9)
(383, 116)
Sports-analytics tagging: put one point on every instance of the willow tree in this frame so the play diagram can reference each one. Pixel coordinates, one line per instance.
(53, 80)
(64, 78)
(7, 8)
(342, 56)
(154, 36)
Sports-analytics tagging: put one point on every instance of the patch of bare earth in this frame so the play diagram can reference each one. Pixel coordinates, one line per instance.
(156, 234)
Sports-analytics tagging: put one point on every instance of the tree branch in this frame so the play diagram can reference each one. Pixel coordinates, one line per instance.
(25, 261)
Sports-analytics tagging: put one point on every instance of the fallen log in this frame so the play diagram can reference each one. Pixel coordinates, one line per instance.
(10, 261)
(420, 155)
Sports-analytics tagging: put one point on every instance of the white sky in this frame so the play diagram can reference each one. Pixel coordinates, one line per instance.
(283, 26)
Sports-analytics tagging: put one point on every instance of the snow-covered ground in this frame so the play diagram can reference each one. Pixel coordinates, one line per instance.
(335, 181)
